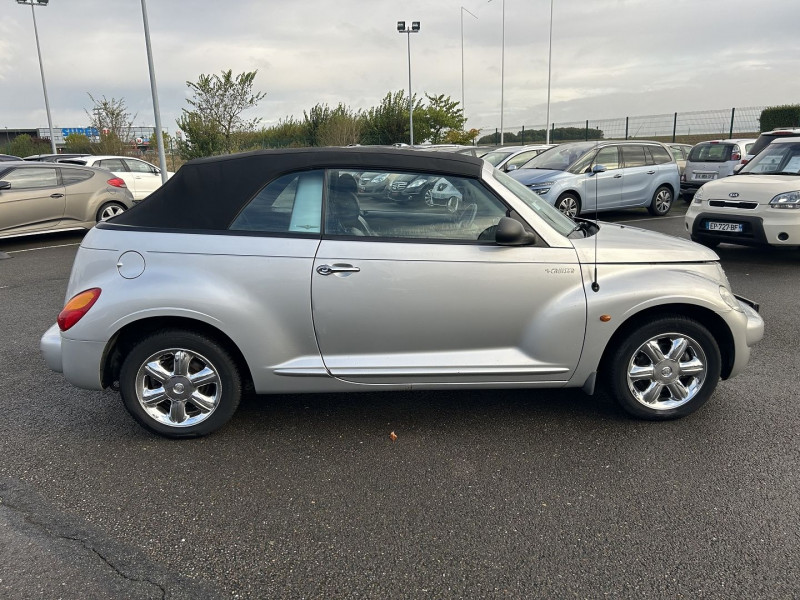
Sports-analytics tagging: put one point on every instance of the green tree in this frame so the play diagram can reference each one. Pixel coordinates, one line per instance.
(787, 115)
(113, 120)
(387, 123)
(454, 136)
(77, 143)
(218, 102)
(201, 136)
(441, 115)
(24, 145)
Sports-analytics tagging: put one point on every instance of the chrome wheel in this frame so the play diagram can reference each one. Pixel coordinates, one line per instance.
(178, 388)
(429, 197)
(109, 210)
(667, 371)
(569, 206)
(662, 201)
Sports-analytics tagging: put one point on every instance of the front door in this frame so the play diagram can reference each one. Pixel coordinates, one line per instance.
(422, 295)
(604, 188)
(35, 201)
(146, 179)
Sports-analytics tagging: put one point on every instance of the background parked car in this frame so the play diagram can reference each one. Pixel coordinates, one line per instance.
(140, 176)
(758, 206)
(373, 183)
(509, 158)
(712, 160)
(53, 157)
(410, 188)
(766, 138)
(680, 152)
(636, 173)
(42, 198)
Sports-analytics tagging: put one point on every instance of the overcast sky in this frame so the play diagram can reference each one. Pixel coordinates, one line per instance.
(611, 58)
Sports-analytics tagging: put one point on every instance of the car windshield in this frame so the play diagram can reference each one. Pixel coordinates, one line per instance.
(496, 157)
(775, 159)
(711, 152)
(560, 222)
(560, 157)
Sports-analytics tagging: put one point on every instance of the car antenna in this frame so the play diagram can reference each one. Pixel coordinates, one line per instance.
(595, 171)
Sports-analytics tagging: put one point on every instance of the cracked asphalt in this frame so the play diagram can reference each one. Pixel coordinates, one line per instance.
(500, 494)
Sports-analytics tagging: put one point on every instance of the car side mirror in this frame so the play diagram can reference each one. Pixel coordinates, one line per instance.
(511, 168)
(598, 169)
(510, 232)
(5, 185)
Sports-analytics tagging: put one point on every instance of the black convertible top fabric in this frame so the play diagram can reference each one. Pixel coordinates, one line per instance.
(208, 193)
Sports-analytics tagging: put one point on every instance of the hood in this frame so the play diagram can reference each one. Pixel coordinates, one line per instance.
(530, 176)
(624, 244)
(752, 188)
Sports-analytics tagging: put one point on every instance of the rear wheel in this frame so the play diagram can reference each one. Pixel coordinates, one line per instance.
(665, 369)
(569, 204)
(108, 210)
(662, 202)
(180, 384)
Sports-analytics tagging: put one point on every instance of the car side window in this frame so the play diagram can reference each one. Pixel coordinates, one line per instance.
(32, 178)
(416, 206)
(608, 157)
(677, 153)
(73, 176)
(522, 158)
(289, 204)
(660, 154)
(138, 166)
(633, 156)
(112, 164)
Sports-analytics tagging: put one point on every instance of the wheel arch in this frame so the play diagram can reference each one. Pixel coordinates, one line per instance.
(706, 317)
(121, 342)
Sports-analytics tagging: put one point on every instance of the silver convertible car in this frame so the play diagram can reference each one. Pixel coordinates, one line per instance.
(268, 272)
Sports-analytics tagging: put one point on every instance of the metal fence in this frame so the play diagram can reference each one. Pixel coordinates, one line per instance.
(687, 127)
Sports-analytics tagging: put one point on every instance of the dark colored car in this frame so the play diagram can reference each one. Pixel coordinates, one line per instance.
(411, 188)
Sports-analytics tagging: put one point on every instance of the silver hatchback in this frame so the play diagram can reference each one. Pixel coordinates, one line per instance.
(269, 271)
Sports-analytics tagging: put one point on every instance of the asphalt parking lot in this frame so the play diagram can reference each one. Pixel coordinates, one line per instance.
(517, 494)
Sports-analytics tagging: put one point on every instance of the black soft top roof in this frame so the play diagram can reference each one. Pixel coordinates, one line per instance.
(208, 193)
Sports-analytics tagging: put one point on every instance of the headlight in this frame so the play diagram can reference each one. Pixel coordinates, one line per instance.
(729, 298)
(698, 196)
(379, 178)
(786, 200)
(542, 188)
(416, 183)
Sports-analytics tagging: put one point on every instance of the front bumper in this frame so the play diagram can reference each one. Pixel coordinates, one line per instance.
(753, 333)
(762, 226)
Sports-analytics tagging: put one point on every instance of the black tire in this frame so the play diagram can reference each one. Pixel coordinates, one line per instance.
(108, 210)
(207, 355)
(569, 204)
(708, 243)
(661, 203)
(634, 353)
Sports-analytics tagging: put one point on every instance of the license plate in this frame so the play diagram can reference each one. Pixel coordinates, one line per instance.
(705, 175)
(735, 227)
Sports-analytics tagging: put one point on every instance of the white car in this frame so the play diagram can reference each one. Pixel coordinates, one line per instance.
(758, 206)
(509, 158)
(140, 176)
(710, 160)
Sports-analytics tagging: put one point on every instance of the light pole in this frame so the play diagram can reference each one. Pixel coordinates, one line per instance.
(162, 159)
(463, 107)
(401, 28)
(502, 67)
(41, 68)
(549, 63)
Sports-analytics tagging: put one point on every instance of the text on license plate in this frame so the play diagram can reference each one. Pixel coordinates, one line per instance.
(705, 175)
(713, 226)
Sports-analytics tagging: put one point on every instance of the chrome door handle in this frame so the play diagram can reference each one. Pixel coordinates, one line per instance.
(328, 269)
(56, 195)
(618, 175)
(650, 172)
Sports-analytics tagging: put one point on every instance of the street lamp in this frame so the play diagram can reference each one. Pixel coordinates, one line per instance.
(502, 68)
(549, 63)
(401, 28)
(463, 107)
(41, 68)
(162, 159)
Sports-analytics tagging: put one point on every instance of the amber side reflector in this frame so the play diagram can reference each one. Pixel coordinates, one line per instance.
(605, 318)
(78, 306)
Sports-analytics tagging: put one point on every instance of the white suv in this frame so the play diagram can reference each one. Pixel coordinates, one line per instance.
(759, 205)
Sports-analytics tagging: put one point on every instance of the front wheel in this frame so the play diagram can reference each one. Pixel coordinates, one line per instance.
(665, 369)
(108, 210)
(661, 202)
(180, 384)
(569, 204)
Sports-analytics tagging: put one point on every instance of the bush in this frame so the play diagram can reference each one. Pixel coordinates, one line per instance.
(787, 115)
